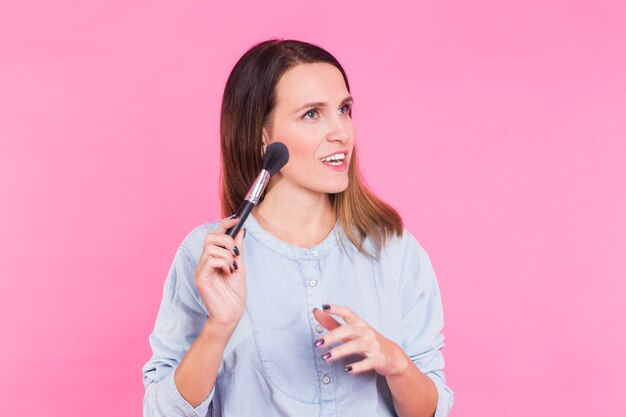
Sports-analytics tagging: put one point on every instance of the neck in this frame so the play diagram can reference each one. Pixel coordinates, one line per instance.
(300, 219)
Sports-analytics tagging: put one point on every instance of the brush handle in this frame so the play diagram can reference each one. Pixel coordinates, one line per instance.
(242, 214)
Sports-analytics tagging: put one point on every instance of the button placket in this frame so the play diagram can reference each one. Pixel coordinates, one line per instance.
(312, 283)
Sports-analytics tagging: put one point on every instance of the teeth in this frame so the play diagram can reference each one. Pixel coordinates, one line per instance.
(338, 157)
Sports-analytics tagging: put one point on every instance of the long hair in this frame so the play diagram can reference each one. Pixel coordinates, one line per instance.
(249, 98)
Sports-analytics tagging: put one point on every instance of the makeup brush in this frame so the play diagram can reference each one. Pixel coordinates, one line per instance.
(276, 156)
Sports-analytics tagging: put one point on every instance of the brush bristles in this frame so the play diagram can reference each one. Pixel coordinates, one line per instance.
(276, 156)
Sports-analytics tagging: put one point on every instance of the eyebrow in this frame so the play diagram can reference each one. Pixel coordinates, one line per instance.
(348, 99)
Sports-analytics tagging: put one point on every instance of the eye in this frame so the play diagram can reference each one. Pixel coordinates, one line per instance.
(311, 114)
(345, 109)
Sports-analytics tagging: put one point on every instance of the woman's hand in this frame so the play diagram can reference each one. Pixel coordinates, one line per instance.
(381, 354)
(221, 275)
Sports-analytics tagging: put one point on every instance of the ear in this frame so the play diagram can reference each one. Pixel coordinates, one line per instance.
(266, 140)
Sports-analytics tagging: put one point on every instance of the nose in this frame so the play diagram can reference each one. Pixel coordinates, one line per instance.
(339, 131)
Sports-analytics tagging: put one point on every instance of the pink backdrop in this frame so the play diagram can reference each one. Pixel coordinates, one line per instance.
(497, 129)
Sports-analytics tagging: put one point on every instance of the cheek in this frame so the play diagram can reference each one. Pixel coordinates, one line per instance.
(350, 128)
(301, 140)
(299, 154)
(301, 146)
(302, 156)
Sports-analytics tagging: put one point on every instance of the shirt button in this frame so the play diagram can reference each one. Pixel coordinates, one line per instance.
(314, 253)
(313, 283)
(326, 379)
(319, 328)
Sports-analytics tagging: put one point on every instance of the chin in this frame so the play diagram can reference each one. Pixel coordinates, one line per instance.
(336, 189)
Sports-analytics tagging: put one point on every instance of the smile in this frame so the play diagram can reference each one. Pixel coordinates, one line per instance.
(334, 159)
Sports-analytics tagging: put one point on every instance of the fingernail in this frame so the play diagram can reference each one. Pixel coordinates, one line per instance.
(325, 356)
(319, 342)
(326, 307)
(235, 265)
(231, 269)
(347, 368)
(236, 251)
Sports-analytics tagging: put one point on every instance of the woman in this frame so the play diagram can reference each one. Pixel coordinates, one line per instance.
(323, 305)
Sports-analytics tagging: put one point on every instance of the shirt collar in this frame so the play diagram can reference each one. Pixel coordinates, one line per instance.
(288, 250)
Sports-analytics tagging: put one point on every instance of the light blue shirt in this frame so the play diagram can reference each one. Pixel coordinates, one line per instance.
(270, 366)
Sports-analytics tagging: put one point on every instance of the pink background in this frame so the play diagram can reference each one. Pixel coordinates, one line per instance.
(497, 129)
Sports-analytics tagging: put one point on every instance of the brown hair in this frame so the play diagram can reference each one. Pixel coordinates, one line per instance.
(249, 98)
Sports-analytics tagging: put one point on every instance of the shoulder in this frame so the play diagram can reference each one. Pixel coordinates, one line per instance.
(398, 247)
(404, 255)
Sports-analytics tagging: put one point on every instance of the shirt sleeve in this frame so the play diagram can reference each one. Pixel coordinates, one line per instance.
(422, 321)
(179, 321)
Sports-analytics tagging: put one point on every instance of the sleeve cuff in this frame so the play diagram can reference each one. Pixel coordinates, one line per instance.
(163, 399)
(444, 393)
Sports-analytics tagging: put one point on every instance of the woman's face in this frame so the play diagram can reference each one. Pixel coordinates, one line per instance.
(312, 118)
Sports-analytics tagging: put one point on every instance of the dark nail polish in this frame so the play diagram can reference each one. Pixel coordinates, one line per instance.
(235, 265)
(319, 342)
(325, 356)
(236, 251)
(326, 307)
(231, 269)
(347, 368)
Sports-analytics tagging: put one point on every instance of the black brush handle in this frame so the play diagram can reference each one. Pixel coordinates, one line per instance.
(242, 215)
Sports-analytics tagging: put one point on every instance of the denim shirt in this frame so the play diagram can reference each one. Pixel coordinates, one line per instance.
(270, 366)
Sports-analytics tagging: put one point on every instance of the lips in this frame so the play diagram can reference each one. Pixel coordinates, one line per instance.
(335, 157)
(337, 161)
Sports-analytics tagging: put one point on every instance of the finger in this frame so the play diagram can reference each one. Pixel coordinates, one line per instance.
(209, 265)
(343, 333)
(344, 312)
(325, 319)
(220, 240)
(359, 367)
(226, 224)
(221, 264)
(218, 252)
(239, 244)
(353, 347)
